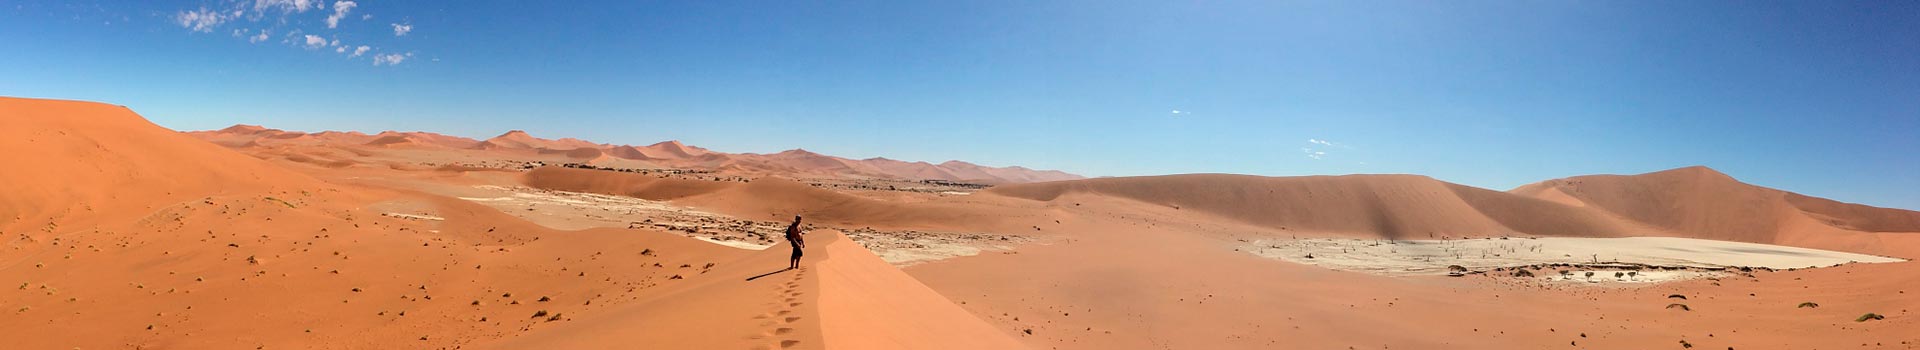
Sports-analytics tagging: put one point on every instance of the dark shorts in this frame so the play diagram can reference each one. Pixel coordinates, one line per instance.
(796, 252)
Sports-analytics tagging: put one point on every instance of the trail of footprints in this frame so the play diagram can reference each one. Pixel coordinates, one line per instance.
(779, 324)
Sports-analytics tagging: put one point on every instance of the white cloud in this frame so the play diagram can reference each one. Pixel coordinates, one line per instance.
(202, 20)
(342, 49)
(1179, 112)
(1319, 141)
(340, 9)
(1313, 153)
(366, 17)
(359, 51)
(390, 59)
(256, 38)
(335, 42)
(315, 41)
(285, 6)
(402, 29)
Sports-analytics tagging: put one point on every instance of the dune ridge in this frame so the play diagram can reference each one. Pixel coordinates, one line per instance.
(1693, 202)
(671, 154)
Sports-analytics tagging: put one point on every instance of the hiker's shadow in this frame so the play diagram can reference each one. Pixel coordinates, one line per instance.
(775, 272)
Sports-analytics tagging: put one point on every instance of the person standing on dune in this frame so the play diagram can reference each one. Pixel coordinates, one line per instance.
(794, 239)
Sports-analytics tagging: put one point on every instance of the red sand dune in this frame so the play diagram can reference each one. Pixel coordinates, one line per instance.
(664, 154)
(1388, 206)
(128, 235)
(1702, 203)
(72, 159)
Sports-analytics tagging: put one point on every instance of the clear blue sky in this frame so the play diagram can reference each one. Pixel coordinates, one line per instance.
(1818, 97)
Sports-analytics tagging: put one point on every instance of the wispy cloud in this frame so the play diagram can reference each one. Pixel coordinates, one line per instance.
(291, 21)
(202, 20)
(285, 6)
(340, 9)
(390, 59)
(1311, 153)
(1317, 148)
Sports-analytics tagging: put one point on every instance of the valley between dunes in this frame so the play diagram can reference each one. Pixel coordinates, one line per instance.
(123, 234)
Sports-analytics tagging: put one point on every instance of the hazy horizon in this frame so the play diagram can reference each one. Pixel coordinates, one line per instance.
(1815, 98)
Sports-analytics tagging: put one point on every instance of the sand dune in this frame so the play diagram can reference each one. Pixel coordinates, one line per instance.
(671, 154)
(848, 299)
(75, 160)
(129, 235)
(1389, 206)
(1702, 203)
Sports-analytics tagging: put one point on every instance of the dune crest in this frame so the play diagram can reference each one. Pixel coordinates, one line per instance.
(85, 159)
(1700, 202)
(665, 154)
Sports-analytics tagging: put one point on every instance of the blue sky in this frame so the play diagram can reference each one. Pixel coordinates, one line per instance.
(1818, 97)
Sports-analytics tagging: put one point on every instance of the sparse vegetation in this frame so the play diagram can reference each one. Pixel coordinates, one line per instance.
(1869, 317)
(1682, 307)
(538, 314)
(1809, 304)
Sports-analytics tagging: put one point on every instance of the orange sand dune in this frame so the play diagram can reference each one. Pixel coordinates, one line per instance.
(73, 160)
(128, 235)
(1389, 206)
(517, 139)
(664, 154)
(1702, 203)
(845, 298)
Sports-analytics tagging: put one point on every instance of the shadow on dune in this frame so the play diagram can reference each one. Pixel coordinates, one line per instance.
(775, 272)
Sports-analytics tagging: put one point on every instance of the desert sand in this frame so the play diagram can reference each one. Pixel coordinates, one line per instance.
(123, 234)
(1643, 256)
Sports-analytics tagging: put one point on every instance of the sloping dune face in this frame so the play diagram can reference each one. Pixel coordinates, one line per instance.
(1390, 206)
(1702, 203)
(70, 159)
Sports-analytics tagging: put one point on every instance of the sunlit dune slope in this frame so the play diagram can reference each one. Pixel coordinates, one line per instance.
(1392, 206)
